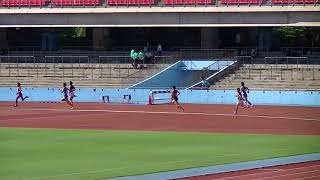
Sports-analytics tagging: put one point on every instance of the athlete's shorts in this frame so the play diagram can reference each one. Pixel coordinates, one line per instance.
(65, 98)
(72, 96)
(19, 95)
(175, 99)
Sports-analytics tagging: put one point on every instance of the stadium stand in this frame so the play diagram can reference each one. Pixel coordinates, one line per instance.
(294, 1)
(129, 2)
(75, 2)
(84, 75)
(186, 2)
(272, 77)
(18, 3)
(233, 2)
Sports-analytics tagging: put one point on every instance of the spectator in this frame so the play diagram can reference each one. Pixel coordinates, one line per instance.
(243, 52)
(145, 48)
(131, 56)
(135, 59)
(204, 83)
(159, 50)
(141, 59)
(148, 58)
(253, 52)
(131, 52)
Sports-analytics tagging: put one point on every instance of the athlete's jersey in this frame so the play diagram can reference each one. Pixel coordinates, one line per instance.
(19, 90)
(65, 91)
(239, 97)
(72, 90)
(244, 91)
(174, 93)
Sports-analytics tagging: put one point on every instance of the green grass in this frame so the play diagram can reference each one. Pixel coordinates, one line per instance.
(88, 155)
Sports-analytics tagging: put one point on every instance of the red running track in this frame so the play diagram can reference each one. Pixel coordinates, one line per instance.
(300, 171)
(196, 118)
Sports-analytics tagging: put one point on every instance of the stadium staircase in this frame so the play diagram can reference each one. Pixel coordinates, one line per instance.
(272, 77)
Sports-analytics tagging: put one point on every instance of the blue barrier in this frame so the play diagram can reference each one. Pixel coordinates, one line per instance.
(140, 96)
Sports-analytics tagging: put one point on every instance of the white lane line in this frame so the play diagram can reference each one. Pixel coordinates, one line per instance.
(289, 174)
(241, 176)
(262, 173)
(43, 117)
(308, 177)
(270, 169)
(177, 113)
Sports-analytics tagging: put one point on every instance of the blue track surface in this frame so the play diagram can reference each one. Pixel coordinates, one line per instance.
(225, 168)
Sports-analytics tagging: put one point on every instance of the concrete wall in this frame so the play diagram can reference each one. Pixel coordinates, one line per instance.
(100, 38)
(300, 98)
(3, 39)
(146, 17)
(209, 38)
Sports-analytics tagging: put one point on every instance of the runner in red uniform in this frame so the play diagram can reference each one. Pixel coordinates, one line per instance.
(174, 97)
(19, 94)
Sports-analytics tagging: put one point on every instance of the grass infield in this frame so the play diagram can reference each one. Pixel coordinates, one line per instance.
(53, 154)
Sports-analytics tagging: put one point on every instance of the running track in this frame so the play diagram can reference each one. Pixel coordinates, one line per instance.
(196, 118)
(301, 171)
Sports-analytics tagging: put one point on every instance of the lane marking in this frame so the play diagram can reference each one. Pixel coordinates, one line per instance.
(308, 177)
(270, 169)
(44, 117)
(289, 174)
(176, 113)
(262, 173)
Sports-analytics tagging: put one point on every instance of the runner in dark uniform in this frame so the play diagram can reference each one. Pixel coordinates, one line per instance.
(174, 97)
(244, 90)
(65, 91)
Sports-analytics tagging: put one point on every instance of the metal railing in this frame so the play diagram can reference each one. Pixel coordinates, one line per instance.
(215, 71)
(253, 51)
(11, 65)
(117, 65)
(280, 68)
(300, 51)
(195, 53)
(68, 65)
(120, 66)
(106, 3)
(80, 66)
(206, 54)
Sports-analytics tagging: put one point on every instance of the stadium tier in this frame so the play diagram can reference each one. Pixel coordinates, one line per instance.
(14, 3)
(241, 1)
(276, 77)
(186, 2)
(129, 2)
(85, 75)
(294, 1)
(75, 2)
